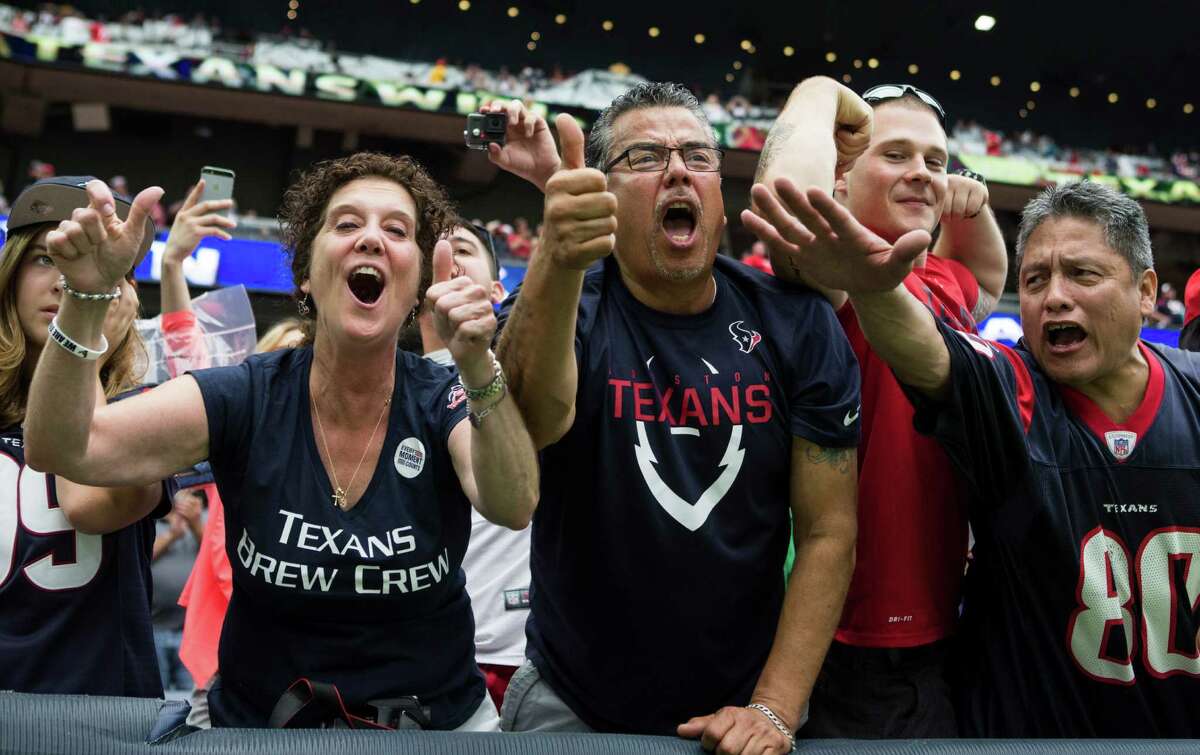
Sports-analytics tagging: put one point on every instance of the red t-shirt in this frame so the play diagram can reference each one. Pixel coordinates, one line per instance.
(912, 522)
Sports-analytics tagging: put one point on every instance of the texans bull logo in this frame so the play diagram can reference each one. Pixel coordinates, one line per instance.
(745, 338)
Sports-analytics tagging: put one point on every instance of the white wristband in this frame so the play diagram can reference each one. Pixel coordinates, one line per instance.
(72, 347)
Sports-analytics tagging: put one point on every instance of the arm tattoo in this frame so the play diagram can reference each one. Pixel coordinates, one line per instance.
(779, 134)
(984, 306)
(838, 458)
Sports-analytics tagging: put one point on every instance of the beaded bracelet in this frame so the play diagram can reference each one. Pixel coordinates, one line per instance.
(492, 388)
(66, 287)
(776, 720)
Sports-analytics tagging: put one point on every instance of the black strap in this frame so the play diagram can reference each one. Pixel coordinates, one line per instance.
(316, 705)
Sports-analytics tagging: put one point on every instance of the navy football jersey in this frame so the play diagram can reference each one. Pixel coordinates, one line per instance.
(663, 519)
(74, 607)
(371, 599)
(1080, 615)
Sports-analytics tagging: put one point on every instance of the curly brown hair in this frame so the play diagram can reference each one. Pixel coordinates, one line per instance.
(307, 199)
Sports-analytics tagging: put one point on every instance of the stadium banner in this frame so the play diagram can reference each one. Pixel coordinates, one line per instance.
(170, 65)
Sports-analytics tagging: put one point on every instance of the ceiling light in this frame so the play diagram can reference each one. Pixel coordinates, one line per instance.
(653, 31)
(857, 63)
(1073, 91)
(291, 15)
(729, 77)
(1112, 98)
(1035, 86)
(531, 46)
(872, 62)
(1023, 112)
(535, 35)
(1188, 108)
(789, 51)
(746, 44)
(1151, 103)
(914, 69)
(699, 38)
(995, 81)
(737, 65)
(1030, 104)
(464, 5)
(513, 11)
(560, 19)
(955, 75)
(830, 57)
(607, 25)
(846, 77)
(985, 22)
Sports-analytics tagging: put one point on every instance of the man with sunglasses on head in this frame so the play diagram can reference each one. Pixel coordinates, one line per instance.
(496, 563)
(685, 404)
(885, 157)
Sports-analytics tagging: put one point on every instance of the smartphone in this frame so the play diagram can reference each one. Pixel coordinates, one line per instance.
(218, 184)
(483, 128)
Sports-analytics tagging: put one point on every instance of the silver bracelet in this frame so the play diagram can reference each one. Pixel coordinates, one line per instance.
(776, 720)
(66, 287)
(71, 346)
(476, 417)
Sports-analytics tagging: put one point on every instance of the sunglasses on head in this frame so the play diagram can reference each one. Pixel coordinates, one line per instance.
(896, 91)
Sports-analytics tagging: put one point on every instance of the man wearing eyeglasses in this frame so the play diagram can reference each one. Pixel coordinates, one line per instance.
(885, 157)
(686, 404)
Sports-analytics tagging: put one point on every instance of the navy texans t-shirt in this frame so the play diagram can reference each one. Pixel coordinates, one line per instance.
(371, 599)
(663, 520)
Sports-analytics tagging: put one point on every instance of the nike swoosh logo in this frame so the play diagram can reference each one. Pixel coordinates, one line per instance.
(851, 416)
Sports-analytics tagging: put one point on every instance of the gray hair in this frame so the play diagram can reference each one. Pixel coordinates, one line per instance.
(650, 94)
(1122, 218)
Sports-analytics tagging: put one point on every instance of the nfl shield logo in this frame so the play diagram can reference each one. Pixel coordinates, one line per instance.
(1120, 443)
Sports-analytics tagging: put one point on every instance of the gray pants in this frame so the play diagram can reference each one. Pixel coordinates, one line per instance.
(531, 705)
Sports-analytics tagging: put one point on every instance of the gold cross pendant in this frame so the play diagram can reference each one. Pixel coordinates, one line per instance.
(339, 498)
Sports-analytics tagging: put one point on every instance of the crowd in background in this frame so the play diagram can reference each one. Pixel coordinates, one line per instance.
(297, 47)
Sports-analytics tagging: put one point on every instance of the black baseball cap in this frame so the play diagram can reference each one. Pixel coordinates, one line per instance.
(52, 200)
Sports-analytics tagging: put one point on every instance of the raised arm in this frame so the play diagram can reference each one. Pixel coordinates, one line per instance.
(138, 441)
(195, 221)
(971, 236)
(537, 345)
(493, 454)
(821, 131)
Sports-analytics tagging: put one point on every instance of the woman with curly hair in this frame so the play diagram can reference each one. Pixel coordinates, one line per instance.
(74, 559)
(346, 467)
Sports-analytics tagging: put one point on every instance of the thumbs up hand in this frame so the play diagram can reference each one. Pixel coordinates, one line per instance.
(581, 214)
(94, 249)
(463, 317)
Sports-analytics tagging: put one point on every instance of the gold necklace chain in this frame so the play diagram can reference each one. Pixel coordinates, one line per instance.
(339, 493)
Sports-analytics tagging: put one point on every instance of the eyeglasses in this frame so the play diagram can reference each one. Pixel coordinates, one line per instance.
(896, 91)
(654, 158)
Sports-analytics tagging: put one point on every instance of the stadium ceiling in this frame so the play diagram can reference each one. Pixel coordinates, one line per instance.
(1140, 53)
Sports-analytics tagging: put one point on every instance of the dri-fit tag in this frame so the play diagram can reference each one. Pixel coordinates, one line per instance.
(515, 600)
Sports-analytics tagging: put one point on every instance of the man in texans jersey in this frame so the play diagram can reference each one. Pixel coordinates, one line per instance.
(685, 404)
(1082, 458)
